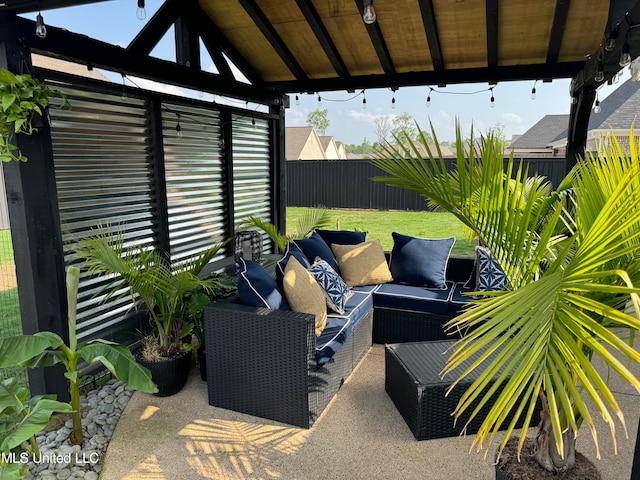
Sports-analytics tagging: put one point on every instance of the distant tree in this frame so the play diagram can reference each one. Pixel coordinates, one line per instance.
(319, 120)
(366, 147)
(384, 124)
(498, 133)
(404, 128)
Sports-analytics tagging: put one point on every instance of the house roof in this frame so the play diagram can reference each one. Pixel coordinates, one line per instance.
(619, 109)
(325, 141)
(295, 140)
(548, 129)
(290, 46)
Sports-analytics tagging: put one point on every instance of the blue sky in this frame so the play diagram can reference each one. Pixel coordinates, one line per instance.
(116, 22)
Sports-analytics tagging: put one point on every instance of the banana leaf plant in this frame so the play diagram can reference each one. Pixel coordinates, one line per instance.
(21, 417)
(44, 349)
(572, 259)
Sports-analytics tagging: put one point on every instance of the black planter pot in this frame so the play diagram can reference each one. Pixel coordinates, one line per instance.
(169, 375)
(202, 362)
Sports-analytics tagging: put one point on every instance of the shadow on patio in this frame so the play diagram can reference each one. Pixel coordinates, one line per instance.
(360, 436)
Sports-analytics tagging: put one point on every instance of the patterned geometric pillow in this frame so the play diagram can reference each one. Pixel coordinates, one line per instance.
(490, 274)
(336, 291)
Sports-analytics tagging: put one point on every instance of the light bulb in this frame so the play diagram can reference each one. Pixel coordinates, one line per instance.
(597, 108)
(574, 100)
(364, 103)
(319, 101)
(393, 103)
(41, 29)
(178, 130)
(533, 93)
(625, 57)
(429, 100)
(297, 101)
(141, 13)
(611, 41)
(369, 14)
(493, 102)
(599, 76)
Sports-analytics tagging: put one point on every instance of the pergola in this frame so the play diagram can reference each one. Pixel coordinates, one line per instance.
(298, 46)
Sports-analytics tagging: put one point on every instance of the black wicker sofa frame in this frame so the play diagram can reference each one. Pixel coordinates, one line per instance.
(262, 361)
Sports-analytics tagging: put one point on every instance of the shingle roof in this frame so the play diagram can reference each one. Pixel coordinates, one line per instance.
(325, 140)
(548, 129)
(619, 109)
(295, 140)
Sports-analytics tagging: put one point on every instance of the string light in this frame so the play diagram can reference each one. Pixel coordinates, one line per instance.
(599, 76)
(493, 100)
(178, 127)
(123, 97)
(319, 100)
(41, 28)
(368, 13)
(574, 100)
(141, 13)
(297, 101)
(625, 55)
(533, 91)
(364, 101)
(597, 108)
(611, 40)
(393, 101)
(429, 97)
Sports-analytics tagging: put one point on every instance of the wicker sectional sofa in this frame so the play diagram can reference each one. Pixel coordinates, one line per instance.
(269, 363)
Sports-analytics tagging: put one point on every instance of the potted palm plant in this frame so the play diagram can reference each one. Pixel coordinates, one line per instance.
(572, 260)
(162, 288)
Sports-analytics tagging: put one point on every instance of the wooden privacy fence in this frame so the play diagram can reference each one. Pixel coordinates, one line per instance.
(348, 184)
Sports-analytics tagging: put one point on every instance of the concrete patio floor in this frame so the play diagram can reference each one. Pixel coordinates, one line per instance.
(361, 435)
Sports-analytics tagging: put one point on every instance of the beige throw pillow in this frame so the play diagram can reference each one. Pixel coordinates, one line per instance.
(362, 264)
(304, 294)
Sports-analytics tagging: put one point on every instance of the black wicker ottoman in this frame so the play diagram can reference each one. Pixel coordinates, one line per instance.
(412, 381)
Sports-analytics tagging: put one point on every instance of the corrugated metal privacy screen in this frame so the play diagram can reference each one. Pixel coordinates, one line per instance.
(103, 177)
(105, 174)
(194, 178)
(251, 171)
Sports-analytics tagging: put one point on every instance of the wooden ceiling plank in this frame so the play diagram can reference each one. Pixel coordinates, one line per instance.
(262, 22)
(156, 28)
(492, 33)
(378, 42)
(321, 33)
(431, 29)
(557, 30)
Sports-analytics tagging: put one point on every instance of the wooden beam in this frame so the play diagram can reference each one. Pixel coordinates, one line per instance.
(321, 33)
(578, 126)
(557, 30)
(81, 49)
(469, 75)
(492, 33)
(380, 46)
(431, 30)
(156, 28)
(262, 22)
(187, 43)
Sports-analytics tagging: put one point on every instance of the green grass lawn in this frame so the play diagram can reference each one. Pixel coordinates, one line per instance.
(379, 225)
(6, 248)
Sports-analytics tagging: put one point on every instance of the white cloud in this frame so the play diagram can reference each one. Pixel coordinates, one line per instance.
(512, 118)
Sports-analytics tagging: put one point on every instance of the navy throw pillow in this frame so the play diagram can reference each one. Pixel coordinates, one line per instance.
(490, 275)
(314, 246)
(342, 237)
(257, 288)
(420, 261)
(292, 250)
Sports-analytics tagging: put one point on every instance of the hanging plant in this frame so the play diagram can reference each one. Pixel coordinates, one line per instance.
(23, 98)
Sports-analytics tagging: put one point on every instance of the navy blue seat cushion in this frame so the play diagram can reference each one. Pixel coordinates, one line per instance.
(291, 250)
(257, 288)
(342, 237)
(459, 298)
(420, 261)
(340, 327)
(314, 246)
(413, 298)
